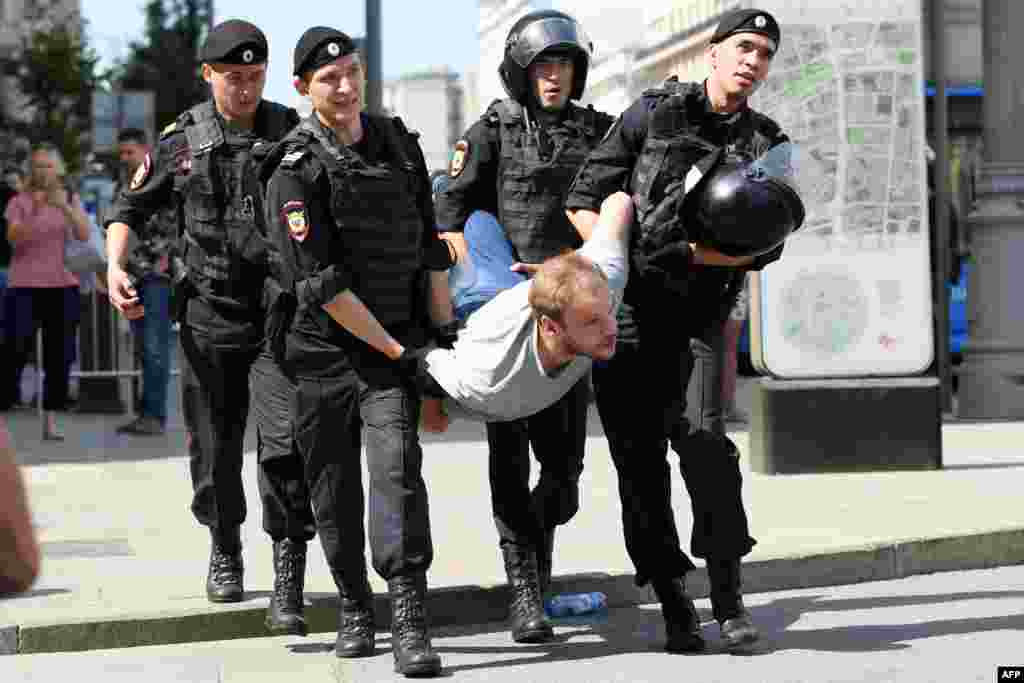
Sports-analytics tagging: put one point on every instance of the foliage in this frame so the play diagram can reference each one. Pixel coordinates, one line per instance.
(166, 60)
(53, 74)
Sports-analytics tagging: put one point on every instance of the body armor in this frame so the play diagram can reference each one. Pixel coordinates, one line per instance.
(537, 168)
(222, 207)
(681, 134)
(377, 218)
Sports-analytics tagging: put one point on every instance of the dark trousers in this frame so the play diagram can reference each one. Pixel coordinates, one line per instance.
(641, 403)
(331, 416)
(215, 385)
(287, 512)
(55, 310)
(557, 435)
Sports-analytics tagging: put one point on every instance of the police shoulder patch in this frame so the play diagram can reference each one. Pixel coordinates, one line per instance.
(294, 213)
(142, 173)
(459, 156)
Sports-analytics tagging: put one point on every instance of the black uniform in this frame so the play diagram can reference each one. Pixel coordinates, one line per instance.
(357, 218)
(520, 171)
(654, 144)
(203, 169)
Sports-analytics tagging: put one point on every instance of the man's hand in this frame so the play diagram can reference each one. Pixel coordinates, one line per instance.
(433, 417)
(123, 296)
(527, 269)
(706, 256)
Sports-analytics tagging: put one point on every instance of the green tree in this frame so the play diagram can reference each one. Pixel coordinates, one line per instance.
(166, 60)
(54, 74)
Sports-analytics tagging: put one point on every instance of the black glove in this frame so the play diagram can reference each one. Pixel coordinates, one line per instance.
(446, 335)
(412, 365)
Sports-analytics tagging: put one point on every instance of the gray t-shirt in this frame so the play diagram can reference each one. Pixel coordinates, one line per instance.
(494, 372)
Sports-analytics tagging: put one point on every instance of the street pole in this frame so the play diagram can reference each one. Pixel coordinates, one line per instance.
(992, 376)
(373, 57)
(940, 231)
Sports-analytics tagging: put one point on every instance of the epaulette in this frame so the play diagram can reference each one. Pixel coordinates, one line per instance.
(402, 128)
(292, 158)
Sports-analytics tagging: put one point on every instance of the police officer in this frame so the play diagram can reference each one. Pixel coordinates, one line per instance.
(651, 149)
(203, 169)
(350, 213)
(517, 163)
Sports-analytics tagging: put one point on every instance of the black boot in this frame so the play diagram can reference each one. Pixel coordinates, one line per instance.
(737, 628)
(224, 580)
(682, 625)
(284, 616)
(410, 641)
(545, 555)
(526, 608)
(355, 617)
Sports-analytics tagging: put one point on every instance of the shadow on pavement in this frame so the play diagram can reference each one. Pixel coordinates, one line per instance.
(776, 617)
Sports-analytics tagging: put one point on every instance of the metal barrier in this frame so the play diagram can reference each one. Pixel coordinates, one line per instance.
(120, 345)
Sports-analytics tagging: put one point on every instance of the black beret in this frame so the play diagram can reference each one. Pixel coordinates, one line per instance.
(747, 21)
(234, 42)
(318, 46)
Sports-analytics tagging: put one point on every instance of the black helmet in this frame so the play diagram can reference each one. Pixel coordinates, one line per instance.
(744, 207)
(533, 34)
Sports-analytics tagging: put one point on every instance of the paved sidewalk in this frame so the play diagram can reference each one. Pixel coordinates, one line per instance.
(125, 563)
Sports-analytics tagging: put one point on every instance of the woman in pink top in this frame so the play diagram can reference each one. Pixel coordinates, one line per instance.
(41, 292)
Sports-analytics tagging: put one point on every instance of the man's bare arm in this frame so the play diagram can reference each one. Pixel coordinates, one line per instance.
(584, 220)
(440, 298)
(120, 289)
(19, 551)
(349, 311)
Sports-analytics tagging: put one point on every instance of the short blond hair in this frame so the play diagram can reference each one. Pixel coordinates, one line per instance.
(559, 282)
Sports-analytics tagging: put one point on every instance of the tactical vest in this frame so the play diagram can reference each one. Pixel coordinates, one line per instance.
(225, 252)
(376, 214)
(680, 134)
(537, 168)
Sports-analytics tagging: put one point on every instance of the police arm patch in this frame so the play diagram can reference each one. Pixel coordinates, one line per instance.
(294, 214)
(458, 158)
(142, 173)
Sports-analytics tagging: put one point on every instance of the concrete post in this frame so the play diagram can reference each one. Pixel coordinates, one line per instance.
(374, 69)
(992, 379)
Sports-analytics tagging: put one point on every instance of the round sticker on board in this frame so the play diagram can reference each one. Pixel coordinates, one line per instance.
(141, 173)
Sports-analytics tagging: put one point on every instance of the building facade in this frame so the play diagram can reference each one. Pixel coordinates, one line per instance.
(430, 102)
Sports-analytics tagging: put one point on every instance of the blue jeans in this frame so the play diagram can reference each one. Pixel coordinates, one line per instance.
(153, 336)
(486, 273)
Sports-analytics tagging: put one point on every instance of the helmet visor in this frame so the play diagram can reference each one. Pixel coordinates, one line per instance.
(541, 35)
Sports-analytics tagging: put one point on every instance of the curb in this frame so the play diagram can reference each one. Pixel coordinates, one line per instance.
(485, 604)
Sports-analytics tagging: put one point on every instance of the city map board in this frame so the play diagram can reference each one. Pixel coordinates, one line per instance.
(851, 296)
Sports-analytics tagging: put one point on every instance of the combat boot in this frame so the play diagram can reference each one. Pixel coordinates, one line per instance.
(284, 616)
(224, 580)
(737, 628)
(682, 624)
(355, 616)
(526, 608)
(410, 640)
